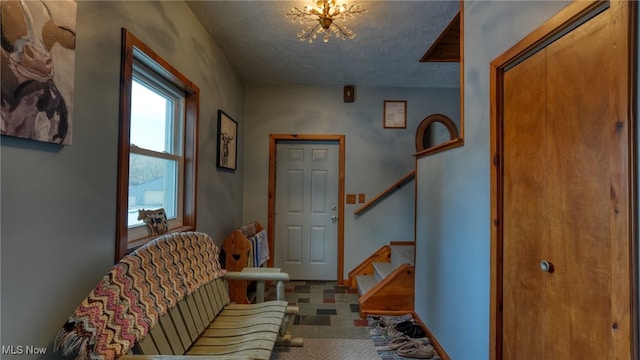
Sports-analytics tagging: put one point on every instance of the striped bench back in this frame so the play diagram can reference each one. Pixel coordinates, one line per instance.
(181, 326)
(173, 269)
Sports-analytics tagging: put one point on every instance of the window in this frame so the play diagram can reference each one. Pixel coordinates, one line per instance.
(157, 155)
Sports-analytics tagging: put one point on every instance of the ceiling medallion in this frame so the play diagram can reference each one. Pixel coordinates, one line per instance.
(321, 19)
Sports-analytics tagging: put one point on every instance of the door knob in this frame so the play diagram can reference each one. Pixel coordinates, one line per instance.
(334, 218)
(546, 266)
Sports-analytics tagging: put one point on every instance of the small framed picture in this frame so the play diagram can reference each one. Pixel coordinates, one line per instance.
(227, 142)
(395, 114)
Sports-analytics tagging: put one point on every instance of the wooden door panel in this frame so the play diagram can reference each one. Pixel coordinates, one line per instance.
(563, 187)
(578, 123)
(524, 210)
(557, 199)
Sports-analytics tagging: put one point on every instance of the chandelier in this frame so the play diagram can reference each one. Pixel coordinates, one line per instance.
(321, 19)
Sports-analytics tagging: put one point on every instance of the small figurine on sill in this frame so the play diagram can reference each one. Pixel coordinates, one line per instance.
(156, 220)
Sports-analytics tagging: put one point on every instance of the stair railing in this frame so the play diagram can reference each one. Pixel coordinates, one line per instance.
(396, 186)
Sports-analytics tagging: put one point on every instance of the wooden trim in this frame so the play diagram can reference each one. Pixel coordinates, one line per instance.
(623, 104)
(440, 148)
(340, 139)
(130, 43)
(495, 322)
(122, 196)
(567, 17)
(401, 243)
(434, 341)
(447, 33)
(426, 122)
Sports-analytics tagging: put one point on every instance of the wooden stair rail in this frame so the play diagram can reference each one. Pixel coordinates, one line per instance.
(398, 185)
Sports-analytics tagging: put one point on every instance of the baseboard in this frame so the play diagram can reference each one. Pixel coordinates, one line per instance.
(443, 354)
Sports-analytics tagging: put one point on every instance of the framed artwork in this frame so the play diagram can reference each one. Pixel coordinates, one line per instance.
(395, 114)
(227, 142)
(37, 102)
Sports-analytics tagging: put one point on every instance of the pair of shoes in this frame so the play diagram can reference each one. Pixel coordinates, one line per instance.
(416, 350)
(399, 342)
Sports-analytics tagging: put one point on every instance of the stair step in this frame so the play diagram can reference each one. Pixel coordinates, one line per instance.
(382, 269)
(402, 254)
(365, 283)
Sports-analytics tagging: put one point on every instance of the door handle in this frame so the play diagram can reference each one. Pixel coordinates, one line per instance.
(546, 266)
(334, 218)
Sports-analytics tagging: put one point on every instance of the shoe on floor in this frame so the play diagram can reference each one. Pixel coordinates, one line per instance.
(398, 342)
(391, 332)
(404, 324)
(416, 350)
(413, 330)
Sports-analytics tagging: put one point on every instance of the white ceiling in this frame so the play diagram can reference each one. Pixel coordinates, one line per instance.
(391, 37)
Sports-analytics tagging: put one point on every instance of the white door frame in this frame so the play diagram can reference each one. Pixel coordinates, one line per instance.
(340, 141)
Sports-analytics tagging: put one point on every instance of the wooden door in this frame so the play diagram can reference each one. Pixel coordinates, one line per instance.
(564, 199)
(307, 209)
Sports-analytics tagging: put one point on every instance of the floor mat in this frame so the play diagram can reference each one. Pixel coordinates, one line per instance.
(328, 349)
(380, 338)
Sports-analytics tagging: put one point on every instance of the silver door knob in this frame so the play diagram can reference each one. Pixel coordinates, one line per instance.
(546, 266)
(334, 218)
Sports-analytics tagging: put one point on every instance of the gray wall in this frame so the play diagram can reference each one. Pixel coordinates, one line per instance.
(59, 203)
(453, 266)
(375, 157)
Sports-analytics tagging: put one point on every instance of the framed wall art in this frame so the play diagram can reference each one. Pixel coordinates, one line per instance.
(395, 114)
(227, 142)
(38, 64)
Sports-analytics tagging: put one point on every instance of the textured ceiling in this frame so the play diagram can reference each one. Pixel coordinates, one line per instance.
(391, 37)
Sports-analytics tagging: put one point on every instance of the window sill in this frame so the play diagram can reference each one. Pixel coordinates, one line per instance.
(440, 148)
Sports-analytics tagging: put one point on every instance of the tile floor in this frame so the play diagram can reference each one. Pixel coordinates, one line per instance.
(327, 310)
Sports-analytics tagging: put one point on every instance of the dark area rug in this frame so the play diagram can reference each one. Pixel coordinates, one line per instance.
(380, 338)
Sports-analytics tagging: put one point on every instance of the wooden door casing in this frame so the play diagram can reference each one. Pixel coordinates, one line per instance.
(580, 193)
(340, 139)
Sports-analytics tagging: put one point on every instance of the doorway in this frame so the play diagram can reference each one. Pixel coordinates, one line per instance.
(299, 248)
(563, 181)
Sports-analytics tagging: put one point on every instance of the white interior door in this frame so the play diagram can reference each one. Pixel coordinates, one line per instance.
(306, 203)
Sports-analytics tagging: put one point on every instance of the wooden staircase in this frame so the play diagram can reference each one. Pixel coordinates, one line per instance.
(385, 280)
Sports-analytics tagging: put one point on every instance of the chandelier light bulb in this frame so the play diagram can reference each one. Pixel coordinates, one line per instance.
(322, 19)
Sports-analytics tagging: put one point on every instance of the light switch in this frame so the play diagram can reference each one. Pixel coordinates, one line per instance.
(361, 198)
(351, 198)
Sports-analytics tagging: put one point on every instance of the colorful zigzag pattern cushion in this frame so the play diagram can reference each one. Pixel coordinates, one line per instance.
(129, 301)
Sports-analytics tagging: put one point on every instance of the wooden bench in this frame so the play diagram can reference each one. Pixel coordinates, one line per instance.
(137, 311)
